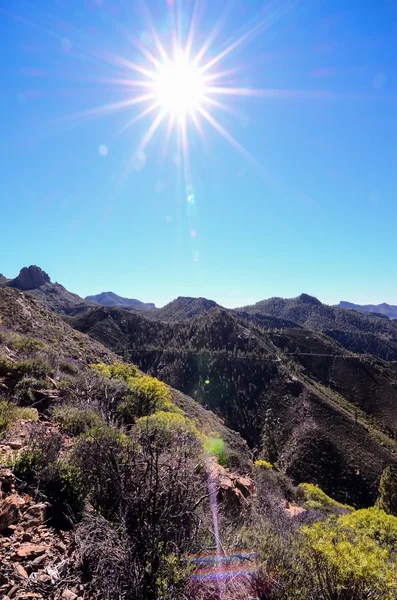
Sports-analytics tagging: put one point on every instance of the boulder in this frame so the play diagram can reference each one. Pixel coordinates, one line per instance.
(10, 511)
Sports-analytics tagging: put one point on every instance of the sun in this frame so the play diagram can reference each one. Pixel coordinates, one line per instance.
(179, 87)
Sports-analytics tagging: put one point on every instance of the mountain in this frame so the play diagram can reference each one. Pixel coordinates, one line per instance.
(334, 420)
(385, 310)
(111, 299)
(33, 326)
(54, 296)
(3, 279)
(358, 332)
(182, 308)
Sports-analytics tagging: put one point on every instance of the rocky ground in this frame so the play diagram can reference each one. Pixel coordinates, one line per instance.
(36, 561)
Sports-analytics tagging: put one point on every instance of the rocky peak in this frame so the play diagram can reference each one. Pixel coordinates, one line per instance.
(309, 299)
(30, 278)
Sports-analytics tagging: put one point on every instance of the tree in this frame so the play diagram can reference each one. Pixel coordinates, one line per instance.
(269, 447)
(387, 499)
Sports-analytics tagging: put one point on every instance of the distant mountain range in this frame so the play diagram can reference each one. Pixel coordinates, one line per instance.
(386, 310)
(37, 283)
(327, 373)
(112, 299)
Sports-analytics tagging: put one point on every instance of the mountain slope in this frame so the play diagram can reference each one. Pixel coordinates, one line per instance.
(20, 314)
(37, 284)
(334, 416)
(182, 308)
(386, 310)
(111, 299)
(357, 332)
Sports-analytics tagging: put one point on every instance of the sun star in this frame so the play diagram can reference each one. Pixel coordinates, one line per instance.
(179, 87)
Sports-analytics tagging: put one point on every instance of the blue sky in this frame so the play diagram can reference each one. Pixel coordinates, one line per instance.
(307, 204)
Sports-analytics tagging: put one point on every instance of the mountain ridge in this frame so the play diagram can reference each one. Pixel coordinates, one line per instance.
(384, 309)
(112, 299)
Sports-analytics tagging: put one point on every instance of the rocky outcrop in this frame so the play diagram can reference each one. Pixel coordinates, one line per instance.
(30, 278)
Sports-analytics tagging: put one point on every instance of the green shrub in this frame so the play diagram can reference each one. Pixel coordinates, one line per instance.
(317, 499)
(37, 368)
(147, 396)
(348, 558)
(10, 412)
(163, 429)
(117, 370)
(68, 368)
(63, 485)
(26, 465)
(28, 388)
(76, 420)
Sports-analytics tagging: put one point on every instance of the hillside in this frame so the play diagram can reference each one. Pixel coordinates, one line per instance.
(37, 284)
(111, 299)
(182, 308)
(358, 332)
(334, 417)
(386, 310)
(21, 314)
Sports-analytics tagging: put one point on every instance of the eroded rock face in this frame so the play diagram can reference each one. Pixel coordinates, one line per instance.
(30, 278)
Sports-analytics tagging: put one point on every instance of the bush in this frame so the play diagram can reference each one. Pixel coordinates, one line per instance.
(317, 499)
(118, 370)
(163, 429)
(150, 485)
(10, 412)
(348, 558)
(263, 464)
(34, 367)
(147, 396)
(76, 420)
(63, 486)
(27, 390)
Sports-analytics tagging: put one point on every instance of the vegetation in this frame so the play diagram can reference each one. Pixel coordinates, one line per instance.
(76, 420)
(387, 499)
(10, 412)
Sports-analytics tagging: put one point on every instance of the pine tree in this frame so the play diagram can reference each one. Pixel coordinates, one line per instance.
(269, 447)
(387, 499)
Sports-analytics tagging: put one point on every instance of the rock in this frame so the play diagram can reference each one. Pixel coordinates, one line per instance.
(38, 562)
(30, 550)
(21, 571)
(15, 444)
(10, 511)
(44, 578)
(26, 537)
(68, 595)
(38, 512)
(30, 278)
(13, 591)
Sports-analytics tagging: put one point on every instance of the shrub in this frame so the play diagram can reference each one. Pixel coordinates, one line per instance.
(69, 368)
(263, 464)
(63, 486)
(10, 412)
(147, 396)
(117, 370)
(76, 420)
(28, 389)
(37, 368)
(150, 485)
(317, 499)
(162, 430)
(387, 499)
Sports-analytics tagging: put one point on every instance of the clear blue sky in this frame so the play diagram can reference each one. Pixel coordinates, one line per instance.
(313, 211)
